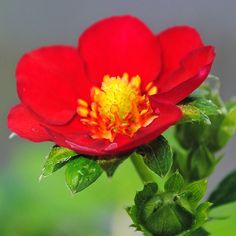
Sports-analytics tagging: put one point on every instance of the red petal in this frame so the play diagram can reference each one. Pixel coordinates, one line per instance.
(50, 80)
(76, 136)
(24, 123)
(193, 71)
(176, 43)
(120, 44)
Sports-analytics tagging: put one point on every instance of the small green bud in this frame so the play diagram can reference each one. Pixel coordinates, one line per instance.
(163, 215)
(172, 212)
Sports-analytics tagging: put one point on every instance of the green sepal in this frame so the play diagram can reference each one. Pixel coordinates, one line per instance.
(148, 192)
(201, 162)
(175, 183)
(195, 191)
(157, 155)
(57, 158)
(201, 215)
(81, 172)
(225, 191)
(132, 211)
(198, 110)
(206, 106)
(192, 114)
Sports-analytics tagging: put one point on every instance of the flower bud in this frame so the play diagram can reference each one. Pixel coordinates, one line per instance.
(164, 215)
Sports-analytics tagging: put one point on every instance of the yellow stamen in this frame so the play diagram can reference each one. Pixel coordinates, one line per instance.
(118, 107)
(82, 111)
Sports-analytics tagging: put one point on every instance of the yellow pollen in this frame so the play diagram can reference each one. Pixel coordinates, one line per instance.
(118, 107)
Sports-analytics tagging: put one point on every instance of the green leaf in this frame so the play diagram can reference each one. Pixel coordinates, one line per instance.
(175, 183)
(57, 157)
(226, 191)
(157, 156)
(81, 172)
(110, 165)
(195, 191)
(222, 221)
(228, 127)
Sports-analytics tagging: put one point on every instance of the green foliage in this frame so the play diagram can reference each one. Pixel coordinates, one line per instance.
(157, 156)
(226, 191)
(194, 192)
(201, 214)
(199, 141)
(222, 220)
(198, 110)
(174, 211)
(201, 162)
(110, 165)
(192, 114)
(80, 173)
(228, 127)
(171, 207)
(57, 158)
(175, 183)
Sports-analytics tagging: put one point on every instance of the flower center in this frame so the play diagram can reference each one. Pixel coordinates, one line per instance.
(118, 107)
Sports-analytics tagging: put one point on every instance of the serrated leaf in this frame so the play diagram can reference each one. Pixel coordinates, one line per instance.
(226, 190)
(57, 157)
(157, 156)
(195, 191)
(80, 173)
(175, 183)
(228, 127)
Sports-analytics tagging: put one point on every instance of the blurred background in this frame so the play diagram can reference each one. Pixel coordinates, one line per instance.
(30, 208)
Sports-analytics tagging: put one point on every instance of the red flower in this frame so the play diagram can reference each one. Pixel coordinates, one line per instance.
(114, 92)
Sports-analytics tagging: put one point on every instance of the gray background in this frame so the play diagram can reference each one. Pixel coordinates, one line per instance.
(28, 24)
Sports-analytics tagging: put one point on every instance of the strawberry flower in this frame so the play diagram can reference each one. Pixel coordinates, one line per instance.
(117, 90)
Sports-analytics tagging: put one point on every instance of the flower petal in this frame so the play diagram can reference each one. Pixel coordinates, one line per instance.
(26, 124)
(50, 80)
(75, 136)
(120, 44)
(193, 71)
(176, 43)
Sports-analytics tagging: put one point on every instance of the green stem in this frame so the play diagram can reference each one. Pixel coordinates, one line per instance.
(141, 168)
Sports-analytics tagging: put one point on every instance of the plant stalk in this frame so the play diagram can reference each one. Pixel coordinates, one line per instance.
(141, 168)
